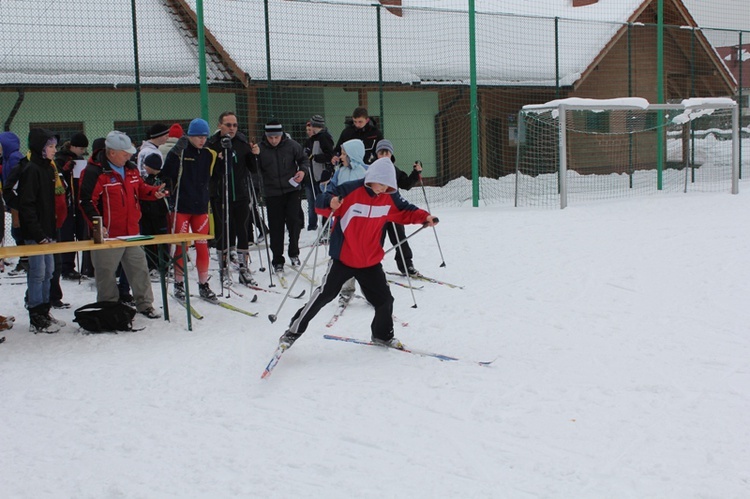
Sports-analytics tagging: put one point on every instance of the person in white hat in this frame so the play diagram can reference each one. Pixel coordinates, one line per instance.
(111, 187)
(360, 209)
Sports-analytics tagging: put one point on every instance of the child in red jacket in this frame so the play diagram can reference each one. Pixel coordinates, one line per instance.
(360, 209)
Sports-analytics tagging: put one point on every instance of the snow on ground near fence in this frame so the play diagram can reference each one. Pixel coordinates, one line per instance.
(713, 173)
(621, 337)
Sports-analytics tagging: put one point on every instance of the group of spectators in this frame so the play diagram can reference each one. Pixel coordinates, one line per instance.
(43, 194)
(176, 181)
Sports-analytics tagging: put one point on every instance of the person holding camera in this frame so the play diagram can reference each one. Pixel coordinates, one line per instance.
(188, 167)
(230, 194)
(283, 166)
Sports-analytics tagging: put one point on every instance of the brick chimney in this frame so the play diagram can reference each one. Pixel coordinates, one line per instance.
(394, 7)
(583, 3)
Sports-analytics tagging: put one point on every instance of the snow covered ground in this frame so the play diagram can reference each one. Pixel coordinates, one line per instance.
(623, 370)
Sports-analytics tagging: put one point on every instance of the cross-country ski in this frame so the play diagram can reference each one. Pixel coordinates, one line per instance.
(404, 285)
(424, 278)
(193, 311)
(273, 291)
(421, 353)
(227, 306)
(274, 360)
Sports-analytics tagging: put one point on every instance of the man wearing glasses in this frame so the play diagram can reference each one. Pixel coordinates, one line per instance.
(231, 176)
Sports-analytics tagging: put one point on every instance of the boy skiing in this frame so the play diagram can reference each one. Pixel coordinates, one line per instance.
(361, 209)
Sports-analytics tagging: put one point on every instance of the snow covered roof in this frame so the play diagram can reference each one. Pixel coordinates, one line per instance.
(80, 43)
(735, 58)
(328, 41)
(337, 40)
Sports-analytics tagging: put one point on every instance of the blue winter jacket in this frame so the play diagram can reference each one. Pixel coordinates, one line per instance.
(11, 145)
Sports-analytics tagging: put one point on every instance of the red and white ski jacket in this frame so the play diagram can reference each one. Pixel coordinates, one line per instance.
(359, 221)
(103, 192)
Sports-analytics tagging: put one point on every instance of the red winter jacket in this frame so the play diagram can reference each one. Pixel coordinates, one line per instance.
(355, 239)
(103, 192)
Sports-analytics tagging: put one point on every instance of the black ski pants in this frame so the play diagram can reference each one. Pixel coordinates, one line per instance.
(374, 286)
(284, 211)
(239, 211)
(397, 233)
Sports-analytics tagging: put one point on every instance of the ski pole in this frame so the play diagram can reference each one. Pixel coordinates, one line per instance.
(314, 268)
(314, 199)
(317, 246)
(256, 221)
(266, 236)
(403, 262)
(436, 220)
(224, 256)
(177, 196)
(273, 317)
(173, 247)
(427, 203)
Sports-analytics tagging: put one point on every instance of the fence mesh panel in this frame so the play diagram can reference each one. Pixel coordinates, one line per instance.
(613, 154)
(78, 68)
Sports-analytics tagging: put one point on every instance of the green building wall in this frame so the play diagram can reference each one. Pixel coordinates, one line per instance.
(98, 111)
(409, 122)
(409, 115)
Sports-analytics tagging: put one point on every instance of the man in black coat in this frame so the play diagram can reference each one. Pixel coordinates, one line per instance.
(283, 166)
(235, 157)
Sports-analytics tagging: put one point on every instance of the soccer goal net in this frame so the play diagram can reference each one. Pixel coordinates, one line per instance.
(577, 150)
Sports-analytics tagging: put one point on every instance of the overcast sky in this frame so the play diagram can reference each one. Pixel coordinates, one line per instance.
(730, 14)
(720, 13)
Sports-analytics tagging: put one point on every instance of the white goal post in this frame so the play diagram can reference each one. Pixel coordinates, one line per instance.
(628, 137)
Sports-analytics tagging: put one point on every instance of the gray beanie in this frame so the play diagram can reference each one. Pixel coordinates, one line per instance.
(384, 145)
(318, 121)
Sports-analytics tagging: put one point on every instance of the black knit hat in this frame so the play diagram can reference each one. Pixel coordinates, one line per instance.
(79, 140)
(274, 128)
(157, 130)
(318, 121)
(153, 161)
(98, 143)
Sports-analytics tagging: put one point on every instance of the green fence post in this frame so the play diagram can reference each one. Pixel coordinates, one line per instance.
(557, 57)
(380, 70)
(473, 104)
(269, 83)
(631, 166)
(660, 93)
(739, 101)
(138, 104)
(202, 59)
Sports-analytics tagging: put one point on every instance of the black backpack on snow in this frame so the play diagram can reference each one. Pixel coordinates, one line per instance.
(105, 316)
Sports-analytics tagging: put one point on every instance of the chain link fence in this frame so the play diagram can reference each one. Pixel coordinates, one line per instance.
(75, 67)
